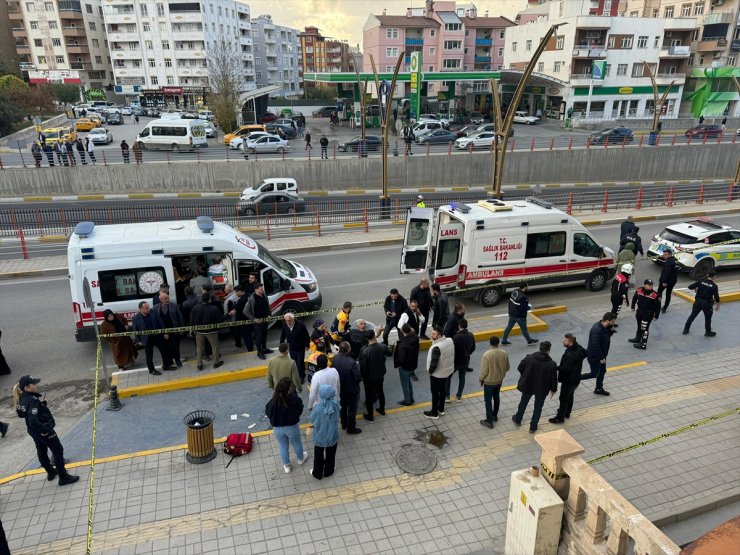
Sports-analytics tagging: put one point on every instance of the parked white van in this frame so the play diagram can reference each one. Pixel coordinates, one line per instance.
(173, 134)
(127, 263)
(497, 245)
(281, 184)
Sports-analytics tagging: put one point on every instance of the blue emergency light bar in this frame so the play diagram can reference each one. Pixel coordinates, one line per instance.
(460, 207)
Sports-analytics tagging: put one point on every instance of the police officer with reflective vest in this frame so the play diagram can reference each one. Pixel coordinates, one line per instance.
(420, 202)
(620, 287)
(668, 277)
(707, 294)
(40, 425)
(648, 309)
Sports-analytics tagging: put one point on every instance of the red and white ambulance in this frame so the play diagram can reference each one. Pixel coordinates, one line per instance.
(492, 246)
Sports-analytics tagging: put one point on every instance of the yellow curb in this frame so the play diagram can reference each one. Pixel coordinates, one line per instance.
(427, 189)
(398, 222)
(37, 199)
(232, 194)
(140, 196)
(684, 181)
(643, 218)
(608, 184)
(394, 190)
(591, 222)
(523, 186)
(552, 185)
(355, 191)
(723, 297)
(249, 229)
(355, 224)
(661, 182)
(52, 239)
(90, 197)
(318, 193)
(634, 183)
(305, 228)
(189, 195)
(461, 189)
(581, 184)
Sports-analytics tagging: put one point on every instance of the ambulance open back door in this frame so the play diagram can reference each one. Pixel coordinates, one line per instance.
(417, 240)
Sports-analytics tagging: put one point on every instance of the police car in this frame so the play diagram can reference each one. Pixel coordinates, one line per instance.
(699, 246)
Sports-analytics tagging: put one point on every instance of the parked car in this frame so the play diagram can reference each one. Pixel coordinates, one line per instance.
(269, 185)
(268, 117)
(704, 130)
(425, 126)
(489, 127)
(438, 136)
(277, 202)
(100, 136)
(152, 112)
(373, 142)
(210, 129)
(205, 114)
(85, 124)
(114, 118)
(324, 112)
(267, 144)
(432, 117)
(280, 128)
(699, 246)
(127, 111)
(100, 115)
(237, 142)
(465, 131)
(479, 140)
(243, 131)
(522, 117)
(54, 134)
(613, 135)
(477, 118)
(138, 111)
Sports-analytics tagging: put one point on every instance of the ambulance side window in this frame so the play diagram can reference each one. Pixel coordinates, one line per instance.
(131, 283)
(583, 245)
(272, 282)
(542, 245)
(448, 253)
(418, 231)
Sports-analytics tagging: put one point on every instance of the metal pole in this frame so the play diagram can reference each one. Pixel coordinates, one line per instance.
(362, 91)
(89, 302)
(590, 92)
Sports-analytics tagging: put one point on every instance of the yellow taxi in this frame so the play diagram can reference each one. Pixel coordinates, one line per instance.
(97, 119)
(86, 124)
(61, 134)
(243, 131)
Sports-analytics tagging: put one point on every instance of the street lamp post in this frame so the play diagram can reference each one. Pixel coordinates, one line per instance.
(503, 125)
(737, 170)
(362, 91)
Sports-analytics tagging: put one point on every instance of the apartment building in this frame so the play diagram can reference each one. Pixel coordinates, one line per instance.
(450, 36)
(321, 54)
(61, 41)
(160, 50)
(623, 46)
(276, 56)
(714, 50)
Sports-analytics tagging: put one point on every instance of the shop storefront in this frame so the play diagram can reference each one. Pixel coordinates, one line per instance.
(178, 98)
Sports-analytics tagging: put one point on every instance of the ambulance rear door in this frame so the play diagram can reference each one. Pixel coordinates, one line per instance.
(447, 254)
(417, 239)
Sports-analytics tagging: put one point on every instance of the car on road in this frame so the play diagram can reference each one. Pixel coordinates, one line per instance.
(270, 185)
(268, 117)
(127, 111)
(704, 130)
(613, 135)
(100, 136)
(699, 246)
(467, 130)
(438, 136)
(267, 144)
(324, 112)
(476, 118)
(422, 127)
(432, 117)
(489, 127)
(479, 140)
(286, 129)
(210, 129)
(54, 134)
(237, 142)
(522, 117)
(85, 124)
(138, 111)
(243, 131)
(95, 114)
(372, 142)
(205, 114)
(152, 112)
(114, 118)
(273, 203)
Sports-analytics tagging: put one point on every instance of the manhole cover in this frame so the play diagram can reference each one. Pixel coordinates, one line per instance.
(416, 459)
(562, 324)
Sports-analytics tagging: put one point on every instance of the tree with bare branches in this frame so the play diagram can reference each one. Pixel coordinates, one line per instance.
(226, 78)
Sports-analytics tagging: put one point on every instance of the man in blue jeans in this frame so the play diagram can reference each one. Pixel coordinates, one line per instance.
(518, 308)
(406, 359)
(493, 368)
(599, 340)
(539, 376)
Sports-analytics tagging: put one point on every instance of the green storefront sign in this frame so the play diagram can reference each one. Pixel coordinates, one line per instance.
(415, 99)
(603, 91)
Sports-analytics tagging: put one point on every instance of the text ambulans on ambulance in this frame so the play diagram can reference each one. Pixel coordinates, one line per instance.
(498, 245)
(127, 263)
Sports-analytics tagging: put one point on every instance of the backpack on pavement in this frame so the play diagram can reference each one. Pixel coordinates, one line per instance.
(237, 445)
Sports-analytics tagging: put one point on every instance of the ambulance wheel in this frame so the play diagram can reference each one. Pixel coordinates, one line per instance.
(490, 296)
(290, 307)
(596, 281)
(701, 270)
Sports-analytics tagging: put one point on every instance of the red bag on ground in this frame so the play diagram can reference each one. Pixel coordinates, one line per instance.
(237, 445)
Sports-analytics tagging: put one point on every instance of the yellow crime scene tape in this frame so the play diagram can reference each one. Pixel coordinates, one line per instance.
(98, 359)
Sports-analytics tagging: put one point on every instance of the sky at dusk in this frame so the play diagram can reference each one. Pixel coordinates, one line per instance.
(344, 19)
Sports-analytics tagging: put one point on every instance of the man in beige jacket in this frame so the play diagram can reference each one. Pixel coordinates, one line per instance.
(282, 366)
(493, 368)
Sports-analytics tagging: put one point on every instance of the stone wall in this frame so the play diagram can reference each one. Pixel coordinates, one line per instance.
(29, 134)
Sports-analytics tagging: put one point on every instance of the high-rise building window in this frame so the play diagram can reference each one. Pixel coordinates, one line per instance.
(685, 10)
(160, 9)
(699, 8)
(642, 41)
(54, 42)
(33, 24)
(168, 62)
(152, 63)
(145, 27)
(53, 25)
(143, 10)
(38, 43)
(668, 12)
(155, 81)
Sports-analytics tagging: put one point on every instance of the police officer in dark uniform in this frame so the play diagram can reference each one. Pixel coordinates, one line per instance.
(648, 309)
(40, 425)
(707, 293)
(634, 238)
(620, 288)
(668, 277)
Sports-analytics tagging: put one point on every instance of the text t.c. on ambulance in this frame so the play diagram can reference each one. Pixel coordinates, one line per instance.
(493, 246)
(127, 263)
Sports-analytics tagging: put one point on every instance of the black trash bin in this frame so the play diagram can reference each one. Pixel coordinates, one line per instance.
(200, 436)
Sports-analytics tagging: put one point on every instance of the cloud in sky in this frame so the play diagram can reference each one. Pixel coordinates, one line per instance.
(344, 19)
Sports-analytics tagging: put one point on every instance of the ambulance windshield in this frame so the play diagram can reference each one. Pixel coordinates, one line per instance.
(275, 261)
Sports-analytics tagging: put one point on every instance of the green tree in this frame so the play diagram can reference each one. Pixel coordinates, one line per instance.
(11, 85)
(225, 77)
(9, 115)
(66, 93)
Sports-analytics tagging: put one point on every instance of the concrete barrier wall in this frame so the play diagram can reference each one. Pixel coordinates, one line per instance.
(556, 166)
(29, 134)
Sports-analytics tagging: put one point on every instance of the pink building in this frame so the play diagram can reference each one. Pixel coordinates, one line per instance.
(451, 37)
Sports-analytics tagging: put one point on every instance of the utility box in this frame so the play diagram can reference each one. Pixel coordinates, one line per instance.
(535, 516)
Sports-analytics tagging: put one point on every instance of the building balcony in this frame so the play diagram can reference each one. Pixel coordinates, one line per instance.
(123, 37)
(666, 78)
(271, 54)
(22, 46)
(590, 52)
(593, 22)
(77, 48)
(482, 59)
(186, 17)
(69, 8)
(675, 52)
(75, 32)
(679, 24)
(270, 39)
(414, 42)
(188, 36)
(711, 44)
(484, 42)
(80, 65)
(19, 31)
(183, 54)
(126, 54)
(580, 78)
(718, 17)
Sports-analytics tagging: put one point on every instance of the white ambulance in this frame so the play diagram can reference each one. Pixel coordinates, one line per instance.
(498, 245)
(127, 263)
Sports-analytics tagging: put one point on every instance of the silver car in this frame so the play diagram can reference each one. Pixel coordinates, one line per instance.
(269, 143)
(100, 136)
(210, 129)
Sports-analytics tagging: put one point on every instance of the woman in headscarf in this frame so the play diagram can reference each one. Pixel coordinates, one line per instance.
(325, 420)
(284, 411)
(124, 351)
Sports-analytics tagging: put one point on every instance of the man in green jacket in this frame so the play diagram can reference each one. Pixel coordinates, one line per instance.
(493, 368)
(282, 366)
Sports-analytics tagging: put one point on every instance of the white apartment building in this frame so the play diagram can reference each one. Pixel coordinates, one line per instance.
(160, 50)
(626, 44)
(62, 41)
(276, 54)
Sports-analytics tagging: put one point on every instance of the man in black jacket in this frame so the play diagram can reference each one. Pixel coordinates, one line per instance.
(668, 277)
(518, 308)
(453, 322)
(406, 359)
(648, 309)
(634, 238)
(599, 340)
(707, 299)
(423, 297)
(257, 309)
(372, 368)
(207, 314)
(245, 330)
(464, 345)
(440, 306)
(295, 334)
(569, 376)
(191, 299)
(40, 426)
(394, 306)
(539, 377)
(349, 380)
(628, 226)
